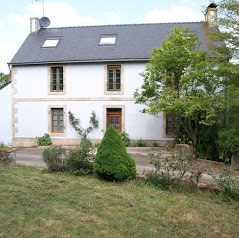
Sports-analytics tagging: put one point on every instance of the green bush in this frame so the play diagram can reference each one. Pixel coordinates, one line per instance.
(44, 140)
(229, 186)
(4, 156)
(159, 180)
(80, 160)
(54, 158)
(140, 143)
(124, 138)
(2, 145)
(207, 147)
(112, 160)
(170, 171)
(228, 141)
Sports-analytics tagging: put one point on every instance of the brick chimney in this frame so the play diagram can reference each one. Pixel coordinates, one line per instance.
(34, 25)
(211, 15)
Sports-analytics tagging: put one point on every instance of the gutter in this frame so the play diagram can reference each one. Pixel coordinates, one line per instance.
(80, 61)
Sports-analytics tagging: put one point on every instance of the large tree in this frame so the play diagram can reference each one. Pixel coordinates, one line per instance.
(228, 22)
(181, 79)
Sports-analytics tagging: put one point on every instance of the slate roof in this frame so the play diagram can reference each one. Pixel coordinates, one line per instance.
(81, 44)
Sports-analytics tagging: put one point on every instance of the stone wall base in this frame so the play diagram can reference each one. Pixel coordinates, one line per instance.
(31, 142)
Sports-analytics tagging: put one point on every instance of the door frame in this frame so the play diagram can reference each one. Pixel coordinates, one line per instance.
(105, 107)
(119, 114)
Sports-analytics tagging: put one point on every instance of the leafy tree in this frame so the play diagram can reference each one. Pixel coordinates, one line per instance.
(228, 133)
(228, 21)
(181, 79)
(4, 78)
(83, 132)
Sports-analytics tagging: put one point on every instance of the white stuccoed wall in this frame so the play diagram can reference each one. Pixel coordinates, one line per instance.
(84, 93)
(6, 115)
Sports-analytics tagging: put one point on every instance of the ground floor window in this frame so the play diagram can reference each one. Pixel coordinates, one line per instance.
(57, 119)
(169, 124)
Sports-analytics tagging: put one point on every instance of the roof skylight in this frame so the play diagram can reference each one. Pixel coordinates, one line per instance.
(51, 42)
(107, 40)
(189, 35)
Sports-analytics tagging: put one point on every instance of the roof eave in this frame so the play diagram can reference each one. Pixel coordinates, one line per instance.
(80, 61)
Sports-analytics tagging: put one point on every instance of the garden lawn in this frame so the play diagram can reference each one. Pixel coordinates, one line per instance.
(34, 203)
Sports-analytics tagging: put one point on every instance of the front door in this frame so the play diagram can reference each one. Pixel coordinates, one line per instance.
(114, 118)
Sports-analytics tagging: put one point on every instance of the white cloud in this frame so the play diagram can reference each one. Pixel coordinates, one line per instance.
(60, 14)
(174, 14)
(112, 17)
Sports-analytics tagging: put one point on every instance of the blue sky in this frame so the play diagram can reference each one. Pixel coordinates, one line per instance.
(15, 15)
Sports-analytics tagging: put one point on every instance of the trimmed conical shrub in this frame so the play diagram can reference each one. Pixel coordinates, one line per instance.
(112, 160)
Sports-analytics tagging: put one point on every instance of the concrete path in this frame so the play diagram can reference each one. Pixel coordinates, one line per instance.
(33, 157)
(30, 157)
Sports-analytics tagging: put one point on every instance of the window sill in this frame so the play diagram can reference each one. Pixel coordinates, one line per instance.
(63, 134)
(114, 92)
(169, 136)
(57, 93)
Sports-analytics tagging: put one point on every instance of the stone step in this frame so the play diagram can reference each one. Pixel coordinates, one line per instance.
(145, 149)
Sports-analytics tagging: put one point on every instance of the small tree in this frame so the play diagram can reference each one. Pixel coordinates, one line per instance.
(80, 160)
(112, 160)
(75, 122)
(54, 157)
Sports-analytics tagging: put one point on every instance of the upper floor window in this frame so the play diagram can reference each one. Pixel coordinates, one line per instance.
(172, 80)
(57, 82)
(114, 78)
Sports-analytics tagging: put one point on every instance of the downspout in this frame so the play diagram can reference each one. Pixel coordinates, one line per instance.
(8, 64)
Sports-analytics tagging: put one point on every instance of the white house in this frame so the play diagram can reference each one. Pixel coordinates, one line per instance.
(6, 113)
(85, 69)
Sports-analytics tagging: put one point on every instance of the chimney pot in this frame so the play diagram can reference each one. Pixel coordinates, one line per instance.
(211, 14)
(34, 24)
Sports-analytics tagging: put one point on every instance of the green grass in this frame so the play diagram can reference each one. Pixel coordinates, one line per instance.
(34, 203)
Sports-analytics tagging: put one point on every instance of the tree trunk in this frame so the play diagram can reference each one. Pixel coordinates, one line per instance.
(235, 162)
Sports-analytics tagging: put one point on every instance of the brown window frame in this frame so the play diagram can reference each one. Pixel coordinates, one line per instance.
(114, 83)
(173, 82)
(59, 87)
(58, 130)
(172, 126)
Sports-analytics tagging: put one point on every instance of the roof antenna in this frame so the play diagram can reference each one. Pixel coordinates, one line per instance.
(44, 21)
(42, 6)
